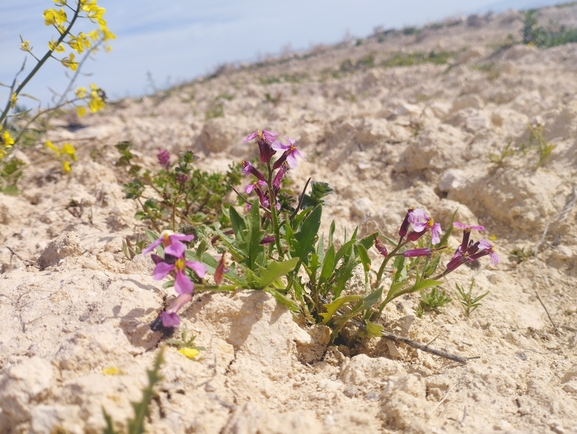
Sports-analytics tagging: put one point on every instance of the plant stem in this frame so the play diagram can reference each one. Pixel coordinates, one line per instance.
(386, 260)
(273, 211)
(39, 64)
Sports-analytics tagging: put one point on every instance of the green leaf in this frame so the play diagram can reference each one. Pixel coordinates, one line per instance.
(282, 299)
(151, 235)
(202, 246)
(374, 330)
(274, 270)
(256, 254)
(142, 408)
(372, 298)
(399, 265)
(237, 222)
(345, 272)
(237, 254)
(424, 284)
(364, 257)
(304, 239)
(328, 265)
(335, 305)
(109, 425)
(367, 242)
(331, 232)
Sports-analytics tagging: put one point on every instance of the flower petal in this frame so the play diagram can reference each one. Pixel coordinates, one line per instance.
(152, 246)
(161, 270)
(182, 283)
(170, 319)
(198, 267)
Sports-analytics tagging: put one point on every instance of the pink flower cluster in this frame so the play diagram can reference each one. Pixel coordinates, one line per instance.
(268, 147)
(416, 223)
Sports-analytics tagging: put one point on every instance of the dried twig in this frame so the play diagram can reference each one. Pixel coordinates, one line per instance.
(559, 217)
(13, 253)
(426, 348)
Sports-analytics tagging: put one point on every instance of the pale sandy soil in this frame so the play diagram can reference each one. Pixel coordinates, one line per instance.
(385, 139)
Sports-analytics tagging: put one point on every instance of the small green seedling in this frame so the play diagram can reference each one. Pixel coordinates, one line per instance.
(469, 301)
(432, 301)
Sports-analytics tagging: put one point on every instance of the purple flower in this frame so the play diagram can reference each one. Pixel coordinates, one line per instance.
(261, 135)
(276, 182)
(264, 140)
(170, 317)
(380, 246)
(182, 284)
(254, 186)
(473, 252)
(290, 153)
(249, 169)
(417, 252)
(467, 233)
(172, 244)
(405, 225)
(422, 223)
(267, 240)
(163, 158)
(182, 178)
(221, 268)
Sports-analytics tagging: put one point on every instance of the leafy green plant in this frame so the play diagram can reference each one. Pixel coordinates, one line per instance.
(545, 37)
(432, 301)
(276, 247)
(537, 145)
(538, 142)
(178, 195)
(417, 58)
(499, 158)
(141, 408)
(469, 301)
(520, 255)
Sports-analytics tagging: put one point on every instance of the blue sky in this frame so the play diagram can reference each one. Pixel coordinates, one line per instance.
(179, 40)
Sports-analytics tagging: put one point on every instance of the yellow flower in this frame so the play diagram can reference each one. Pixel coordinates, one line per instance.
(69, 62)
(191, 353)
(60, 2)
(7, 140)
(79, 43)
(66, 167)
(52, 46)
(96, 102)
(68, 149)
(13, 99)
(54, 17)
(52, 146)
(61, 16)
(110, 371)
(81, 111)
(25, 46)
(50, 17)
(94, 35)
(107, 34)
(80, 92)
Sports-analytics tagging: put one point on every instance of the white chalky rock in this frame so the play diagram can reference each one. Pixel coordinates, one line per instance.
(24, 383)
(362, 207)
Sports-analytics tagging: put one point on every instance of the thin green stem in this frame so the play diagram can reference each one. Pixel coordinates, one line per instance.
(273, 211)
(39, 64)
(386, 260)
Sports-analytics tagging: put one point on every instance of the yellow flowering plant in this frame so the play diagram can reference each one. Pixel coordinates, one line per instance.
(70, 49)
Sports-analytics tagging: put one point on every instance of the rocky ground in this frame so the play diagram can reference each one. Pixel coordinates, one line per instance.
(395, 120)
